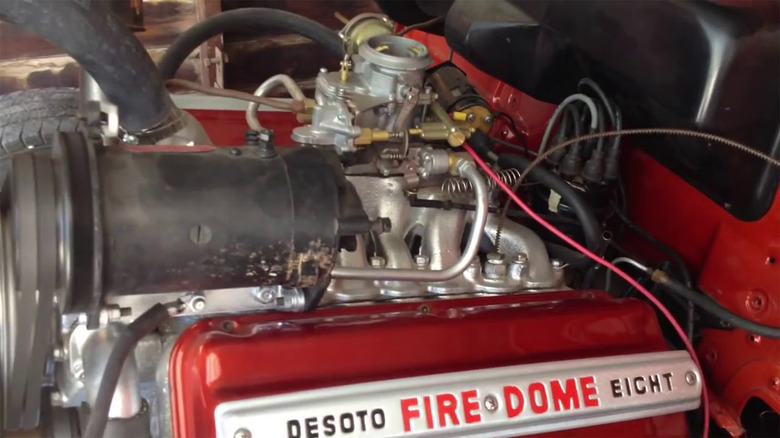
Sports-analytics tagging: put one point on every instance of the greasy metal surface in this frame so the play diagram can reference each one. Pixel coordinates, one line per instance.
(267, 221)
(350, 345)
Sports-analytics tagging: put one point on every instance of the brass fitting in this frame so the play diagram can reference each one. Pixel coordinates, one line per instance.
(368, 136)
(455, 159)
(346, 66)
(436, 131)
(455, 137)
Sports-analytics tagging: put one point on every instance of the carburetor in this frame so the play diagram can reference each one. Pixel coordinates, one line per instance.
(372, 97)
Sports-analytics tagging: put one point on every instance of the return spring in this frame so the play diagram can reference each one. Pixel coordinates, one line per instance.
(456, 186)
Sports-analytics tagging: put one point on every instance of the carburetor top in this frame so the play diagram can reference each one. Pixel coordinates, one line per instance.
(384, 72)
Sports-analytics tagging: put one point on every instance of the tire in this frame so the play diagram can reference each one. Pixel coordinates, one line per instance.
(29, 118)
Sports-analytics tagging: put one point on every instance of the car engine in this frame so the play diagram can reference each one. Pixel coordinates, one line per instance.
(367, 278)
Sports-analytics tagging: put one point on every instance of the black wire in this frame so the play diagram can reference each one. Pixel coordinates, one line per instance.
(712, 307)
(685, 273)
(624, 207)
(515, 130)
(513, 146)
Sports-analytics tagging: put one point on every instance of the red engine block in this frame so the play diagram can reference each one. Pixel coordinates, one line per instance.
(219, 360)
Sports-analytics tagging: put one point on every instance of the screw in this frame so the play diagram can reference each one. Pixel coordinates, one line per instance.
(265, 295)
(228, 326)
(198, 303)
(557, 264)
(381, 225)
(521, 259)
(378, 262)
(471, 117)
(775, 383)
(491, 403)
(242, 433)
(421, 260)
(200, 234)
(488, 119)
(690, 378)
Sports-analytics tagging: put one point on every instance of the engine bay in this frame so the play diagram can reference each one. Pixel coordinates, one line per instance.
(415, 249)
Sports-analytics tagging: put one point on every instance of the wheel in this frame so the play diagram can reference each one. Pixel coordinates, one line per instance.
(29, 118)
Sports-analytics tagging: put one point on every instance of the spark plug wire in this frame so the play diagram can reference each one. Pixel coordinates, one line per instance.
(608, 265)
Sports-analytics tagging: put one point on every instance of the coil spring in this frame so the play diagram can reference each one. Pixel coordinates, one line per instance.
(392, 154)
(456, 186)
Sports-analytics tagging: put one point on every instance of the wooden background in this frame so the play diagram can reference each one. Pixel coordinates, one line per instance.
(233, 61)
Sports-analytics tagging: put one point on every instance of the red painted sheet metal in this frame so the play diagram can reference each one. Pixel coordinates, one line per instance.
(219, 360)
(738, 265)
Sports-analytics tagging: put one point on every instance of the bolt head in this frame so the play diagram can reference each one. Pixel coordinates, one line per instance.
(378, 262)
(491, 403)
(242, 433)
(421, 260)
(690, 378)
(471, 117)
(488, 119)
(495, 268)
(556, 263)
(198, 303)
(521, 258)
(495, 258)
(266, 296)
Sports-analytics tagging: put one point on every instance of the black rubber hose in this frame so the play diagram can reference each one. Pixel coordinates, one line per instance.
(245, 20)
(590, 224)
(142, 326)
(712, 307)
(685, 273)
(105, 48)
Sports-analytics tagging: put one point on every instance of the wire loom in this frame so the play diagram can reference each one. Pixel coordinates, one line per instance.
(642, 131)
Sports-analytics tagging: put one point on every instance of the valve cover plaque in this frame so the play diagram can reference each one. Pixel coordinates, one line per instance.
(494, 402)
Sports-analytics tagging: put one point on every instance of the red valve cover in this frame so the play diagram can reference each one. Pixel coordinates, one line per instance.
(219, 360)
